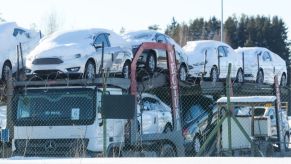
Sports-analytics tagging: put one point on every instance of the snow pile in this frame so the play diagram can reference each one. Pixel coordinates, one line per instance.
(3, 117)
(138, 37)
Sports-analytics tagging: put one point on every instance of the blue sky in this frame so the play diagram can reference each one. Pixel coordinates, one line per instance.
(134, 14)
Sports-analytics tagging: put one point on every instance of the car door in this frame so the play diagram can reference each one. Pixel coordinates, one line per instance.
(271, 114)
(223, 61)
(102, 38)
(268, 66)
(149, 116)
(163, 115)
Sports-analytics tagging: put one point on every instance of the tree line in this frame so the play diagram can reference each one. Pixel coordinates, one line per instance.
(245, 31)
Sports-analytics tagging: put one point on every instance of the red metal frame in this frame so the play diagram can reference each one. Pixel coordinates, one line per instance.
(171, 61)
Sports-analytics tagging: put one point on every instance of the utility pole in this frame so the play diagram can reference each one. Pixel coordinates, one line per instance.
(221, 32)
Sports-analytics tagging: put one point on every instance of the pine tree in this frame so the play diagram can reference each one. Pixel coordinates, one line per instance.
(154, 27)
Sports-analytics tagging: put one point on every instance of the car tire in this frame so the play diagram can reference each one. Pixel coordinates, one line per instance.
(286, 142)
(90, 70)
(151, 63)
(182, 73)
(126, 70)
(240, 76)
(196, 144)
(167, 129)
(114, 152)
(5, 71)
(260, 77)
(167, 150)
(283, 81)
(214, 75)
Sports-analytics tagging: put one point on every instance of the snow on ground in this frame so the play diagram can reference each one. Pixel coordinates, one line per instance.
(3, 116)
(144, 160)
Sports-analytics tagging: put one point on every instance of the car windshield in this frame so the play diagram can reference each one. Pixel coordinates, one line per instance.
(259, 111)
(55, 107)
(193, 113)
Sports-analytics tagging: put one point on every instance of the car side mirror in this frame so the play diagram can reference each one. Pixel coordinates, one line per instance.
(160, 41)
(272, 117)
(97, 45)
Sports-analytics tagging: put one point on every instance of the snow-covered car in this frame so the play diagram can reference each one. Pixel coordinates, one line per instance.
(261, 65)
(154, 114)
(79, 53)
(152, 59)
(12, 35)
(210, 59)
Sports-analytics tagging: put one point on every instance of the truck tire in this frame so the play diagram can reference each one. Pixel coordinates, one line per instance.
(167, 150)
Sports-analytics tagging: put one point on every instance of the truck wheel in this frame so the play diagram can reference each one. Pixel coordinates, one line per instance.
(167, 150)
(283, 81)
(286, 142)
(114, 152)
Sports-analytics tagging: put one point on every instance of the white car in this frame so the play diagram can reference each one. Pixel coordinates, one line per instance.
(79, 53)
(12, 35)
(210, 59)
(156, 58)
(154, 114)
(261, 65)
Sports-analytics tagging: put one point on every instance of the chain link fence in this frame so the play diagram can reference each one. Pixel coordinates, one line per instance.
(68, 120)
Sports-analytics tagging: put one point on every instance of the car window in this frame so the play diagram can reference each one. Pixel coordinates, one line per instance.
(193, 113)
(226, 50)
(18, 31)
(221, 52)
(102, 38)
(259, 111)
(267, 56)
(150, 104)
(161, 38)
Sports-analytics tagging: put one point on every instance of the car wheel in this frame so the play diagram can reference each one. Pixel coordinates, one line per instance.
(214, 74)
(240, 76)
(126, 70)
(167, 129)
(151, 63)
(90, 70)
(114, 152)
(260, 77)
(286, 141)
(5, 71)
(167, 150)
(283, 81)
(196, 144)
(182, 73)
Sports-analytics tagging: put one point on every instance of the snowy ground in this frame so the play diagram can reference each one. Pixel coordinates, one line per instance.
(216, 160)
(3, 116)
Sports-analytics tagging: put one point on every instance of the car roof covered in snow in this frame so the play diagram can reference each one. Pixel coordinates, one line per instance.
(199, 46)
(248, 99)
(140, 35)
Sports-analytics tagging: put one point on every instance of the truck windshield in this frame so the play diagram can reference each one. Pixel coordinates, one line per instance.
(47, 107)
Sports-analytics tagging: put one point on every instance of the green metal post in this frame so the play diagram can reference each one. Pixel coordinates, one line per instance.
(211, 135)
(228, 113)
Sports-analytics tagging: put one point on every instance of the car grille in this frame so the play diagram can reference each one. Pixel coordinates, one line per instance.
(42, 61)
(51, 147)
(47, 72)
